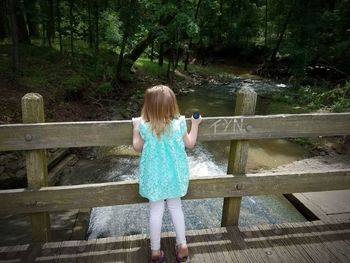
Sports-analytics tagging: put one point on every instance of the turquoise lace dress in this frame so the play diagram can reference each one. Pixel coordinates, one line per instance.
(164, 171)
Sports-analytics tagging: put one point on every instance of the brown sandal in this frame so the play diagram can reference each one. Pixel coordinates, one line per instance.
(181, 259)
(158, 259)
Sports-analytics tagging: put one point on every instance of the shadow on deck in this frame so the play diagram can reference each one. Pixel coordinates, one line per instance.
(296, 242)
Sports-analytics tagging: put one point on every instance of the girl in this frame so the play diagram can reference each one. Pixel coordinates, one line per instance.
(161, 134)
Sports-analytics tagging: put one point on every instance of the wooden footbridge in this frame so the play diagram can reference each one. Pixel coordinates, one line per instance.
(317, 241)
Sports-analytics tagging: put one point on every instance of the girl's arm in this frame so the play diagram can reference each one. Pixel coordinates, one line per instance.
(191, 138)
(137, 141)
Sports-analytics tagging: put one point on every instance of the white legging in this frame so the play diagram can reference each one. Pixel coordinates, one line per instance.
(156, 218)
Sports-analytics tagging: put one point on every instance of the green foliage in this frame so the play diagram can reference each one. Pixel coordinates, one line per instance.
(73, 82)
(318, 97)
(105, 86)
(100, 67)
(278, 107)
(151, 68)
(337, 99)
(313, 32)
(112, 27)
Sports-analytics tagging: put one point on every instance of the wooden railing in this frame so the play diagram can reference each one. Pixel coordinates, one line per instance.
(35, 135)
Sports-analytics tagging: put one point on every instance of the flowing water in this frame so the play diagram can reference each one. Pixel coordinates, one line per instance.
(207, 158)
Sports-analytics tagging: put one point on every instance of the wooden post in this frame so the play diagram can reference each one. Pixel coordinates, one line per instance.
(245, 105)
(36, 163)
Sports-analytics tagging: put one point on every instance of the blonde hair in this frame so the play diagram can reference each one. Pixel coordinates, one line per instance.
(159, 107)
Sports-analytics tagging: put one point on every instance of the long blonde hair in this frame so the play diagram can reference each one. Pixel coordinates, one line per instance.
(159, 107)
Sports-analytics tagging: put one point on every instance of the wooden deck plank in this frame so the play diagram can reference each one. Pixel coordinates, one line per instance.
(283, 244)
(102, 247)
(87, 254)
(310, 242)
(342, 230)
(260, 243)
(45, 252)
(335, 241)
(213, 248)
(249, 234)
(197, 246)
(289, 242)
(121, 257)
(68, 252)
(12, 253)
(218, 245)
(168, 245)
(276, 249)
(240, 249)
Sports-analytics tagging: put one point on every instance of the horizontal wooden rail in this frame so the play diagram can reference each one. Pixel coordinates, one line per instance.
(107, 133)
(119, 193)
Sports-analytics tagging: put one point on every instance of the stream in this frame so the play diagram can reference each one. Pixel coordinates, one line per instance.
(207, 158)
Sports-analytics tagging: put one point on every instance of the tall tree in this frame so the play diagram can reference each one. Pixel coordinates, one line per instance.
(71, 26)
(58, 14)
(265, 27)
(190, 45)
(91, 41)
(97, 19)
(282, 32)
(32, 15)
(14, 34)
(127, 17)
(50, 22)
(3, 20)
(23, 35)
(43, 17)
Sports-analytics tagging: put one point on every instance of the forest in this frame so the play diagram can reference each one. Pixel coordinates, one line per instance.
(101, 44)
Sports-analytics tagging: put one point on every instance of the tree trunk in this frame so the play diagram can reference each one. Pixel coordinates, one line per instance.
(169, 67)
(14, 34)
(219, 37)
(141, 46)
(161, 54)
(43, 12)
(283, 30)
(58, 14)
(190, 44)
(3, 20)
(161, 44)
(265, 33)
(50, 22)
(331, 5)
(127, 25)
(90, 24)
(152, 51)
(23, 36)
(71, 26)
(177, 57)
(31, 13)
(97, 18)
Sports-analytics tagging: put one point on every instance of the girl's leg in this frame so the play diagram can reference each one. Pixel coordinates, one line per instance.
(177, 216)
(155, 220)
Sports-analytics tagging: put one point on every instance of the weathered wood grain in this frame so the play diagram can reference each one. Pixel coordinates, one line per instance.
(109, 133)
(298, 242)
(117, 193)
(238, 156)
(36, 164)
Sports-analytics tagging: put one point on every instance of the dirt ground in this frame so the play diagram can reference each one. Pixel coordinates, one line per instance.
(57, 107)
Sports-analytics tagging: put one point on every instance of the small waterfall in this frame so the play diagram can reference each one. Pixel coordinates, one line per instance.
(199, 214)
(206, 159)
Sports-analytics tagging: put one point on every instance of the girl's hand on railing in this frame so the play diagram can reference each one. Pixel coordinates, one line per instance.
(196, 121)
(136, 123)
